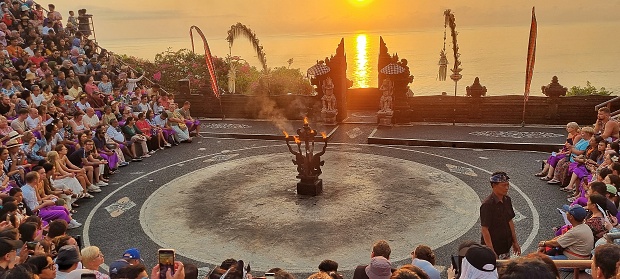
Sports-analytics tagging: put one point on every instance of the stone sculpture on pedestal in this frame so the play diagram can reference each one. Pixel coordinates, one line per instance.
(329, 110)
(384, 115)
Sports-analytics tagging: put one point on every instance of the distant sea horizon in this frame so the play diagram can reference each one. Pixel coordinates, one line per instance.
(576, 53)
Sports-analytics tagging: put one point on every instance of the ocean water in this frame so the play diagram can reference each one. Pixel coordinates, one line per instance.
(576, 53)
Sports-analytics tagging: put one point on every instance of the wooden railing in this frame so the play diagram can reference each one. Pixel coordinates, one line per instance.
(576, 265)
(607, 104)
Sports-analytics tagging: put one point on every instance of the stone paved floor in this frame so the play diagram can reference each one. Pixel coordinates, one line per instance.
(235, 197)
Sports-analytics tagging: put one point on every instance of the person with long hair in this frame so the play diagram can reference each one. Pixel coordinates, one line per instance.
(66, 173)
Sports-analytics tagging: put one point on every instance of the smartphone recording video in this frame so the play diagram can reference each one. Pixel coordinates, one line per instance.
(166, 262)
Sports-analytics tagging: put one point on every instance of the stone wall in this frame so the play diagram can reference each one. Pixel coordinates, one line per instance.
(495, 109)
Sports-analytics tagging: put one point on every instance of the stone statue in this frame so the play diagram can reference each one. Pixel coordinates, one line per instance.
(329, 99)
(476, 90)
(386, 98)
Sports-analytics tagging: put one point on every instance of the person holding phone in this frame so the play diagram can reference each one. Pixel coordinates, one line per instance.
(179, 272)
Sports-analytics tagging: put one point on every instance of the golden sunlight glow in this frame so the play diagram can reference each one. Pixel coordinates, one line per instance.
(285, 134)
(361, 74)
(360, 3)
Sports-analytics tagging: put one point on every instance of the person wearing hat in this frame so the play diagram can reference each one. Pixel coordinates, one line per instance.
(577, 242)
(479, 263)
(379, 268)
(380, 253)
(131, 256)
(612, 193)
(496, 214)
(67, 260)
(8, 253)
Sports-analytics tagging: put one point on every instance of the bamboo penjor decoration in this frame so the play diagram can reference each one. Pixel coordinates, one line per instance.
(240, 30)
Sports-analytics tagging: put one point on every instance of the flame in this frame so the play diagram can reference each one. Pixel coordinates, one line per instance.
(305, 120)
(323, 135)
(297, 141)
(285, 134)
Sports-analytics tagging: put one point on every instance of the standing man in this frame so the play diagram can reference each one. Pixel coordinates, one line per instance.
(608, 128)
(496, 214)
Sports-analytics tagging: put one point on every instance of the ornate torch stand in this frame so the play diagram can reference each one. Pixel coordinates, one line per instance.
(308, 164)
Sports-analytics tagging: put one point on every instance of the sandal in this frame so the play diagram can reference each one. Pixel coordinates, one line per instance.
(545, 178)
(554, 181)
(75, 205)
(73, 211)
(566, 189)
(540, 174)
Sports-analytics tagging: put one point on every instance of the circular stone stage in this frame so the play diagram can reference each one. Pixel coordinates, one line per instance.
(246, 208)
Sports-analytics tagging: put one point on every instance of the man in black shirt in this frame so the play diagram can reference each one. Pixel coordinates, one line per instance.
(7, 109)
(496, 214)
(83, 158)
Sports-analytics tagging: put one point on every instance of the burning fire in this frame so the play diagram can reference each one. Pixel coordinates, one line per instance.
(305, 120)
(323, 135)
(297, 141)
(285, 134)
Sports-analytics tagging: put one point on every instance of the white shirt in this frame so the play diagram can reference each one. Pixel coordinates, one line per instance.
(115, 134)
(38, 99)
(92, 122)
(144, 107)
(30, 197)
(32, 122)
(81, 106)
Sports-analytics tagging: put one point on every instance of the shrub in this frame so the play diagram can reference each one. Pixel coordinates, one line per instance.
(587, 90)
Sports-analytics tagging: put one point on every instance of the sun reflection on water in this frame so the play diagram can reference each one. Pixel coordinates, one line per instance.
(361, 75)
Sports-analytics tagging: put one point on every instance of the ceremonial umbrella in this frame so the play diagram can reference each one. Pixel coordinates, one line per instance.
(318, 69)
(393, 69)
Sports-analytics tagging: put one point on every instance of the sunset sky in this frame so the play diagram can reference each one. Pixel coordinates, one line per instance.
(164, 18)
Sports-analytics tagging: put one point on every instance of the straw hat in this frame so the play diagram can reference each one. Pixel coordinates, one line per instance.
(13, 143)
(14, 135)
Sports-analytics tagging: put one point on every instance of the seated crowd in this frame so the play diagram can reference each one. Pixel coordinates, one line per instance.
(588, 171)
(70, 115)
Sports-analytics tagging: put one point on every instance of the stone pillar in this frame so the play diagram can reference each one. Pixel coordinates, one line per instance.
(553, 90)
(475, 91)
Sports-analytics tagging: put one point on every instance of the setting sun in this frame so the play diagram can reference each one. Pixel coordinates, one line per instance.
(360, 3)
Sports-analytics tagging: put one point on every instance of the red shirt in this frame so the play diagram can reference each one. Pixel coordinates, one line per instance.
(144, 126)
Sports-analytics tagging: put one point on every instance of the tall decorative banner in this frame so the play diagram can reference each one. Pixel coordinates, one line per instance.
(531, 55)
(208, 58)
